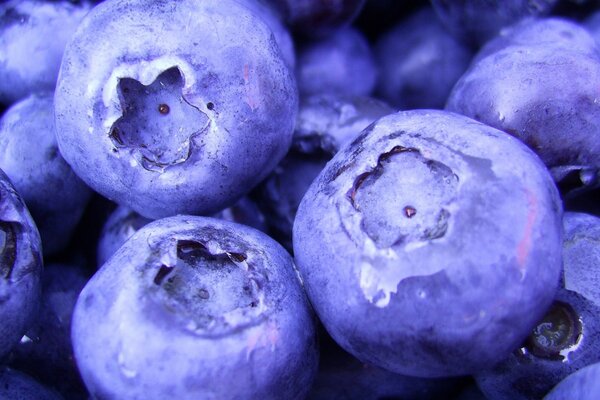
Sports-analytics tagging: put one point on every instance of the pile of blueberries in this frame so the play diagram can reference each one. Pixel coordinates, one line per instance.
(300, 199)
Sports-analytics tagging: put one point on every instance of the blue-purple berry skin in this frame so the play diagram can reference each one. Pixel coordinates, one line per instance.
(18, 386)
(581, 385)
(419, 62)
(20, 267)
(508, 88)
(341, 63)
(33, 35)
(168, 120)
(196, 308)
(568, 337)
(477, 21)
(29, 155)
(427, 209)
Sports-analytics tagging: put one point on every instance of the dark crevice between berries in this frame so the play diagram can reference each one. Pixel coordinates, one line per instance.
(8, 248)
(157, 123)
(403, 198)
(559, 330)
(205, 287)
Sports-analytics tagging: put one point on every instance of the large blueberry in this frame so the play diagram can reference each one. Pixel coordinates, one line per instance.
(33, 35)
(325, 123)
(559, 118)
(477, 21)
(174, 107)
(567, 338)
(419, 62)
(431, 245)
(20, 267)
(196, 308)
(29, 155)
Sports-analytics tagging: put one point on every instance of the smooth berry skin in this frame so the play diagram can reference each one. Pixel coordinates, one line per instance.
(167, 120)
(196, 308)
(20, 267)
(325, 123)
(558, 118)
(16, 385)
(423, 210)
(33, 35)
(419, 62)
(530, 372)
(29, 155)
(45, 352)
(477, 21)
(342, 63)
(581, 385)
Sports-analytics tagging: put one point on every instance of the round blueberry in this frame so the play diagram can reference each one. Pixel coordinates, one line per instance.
(581, 385)
(174, 107)
(431, 245)
(196, 308)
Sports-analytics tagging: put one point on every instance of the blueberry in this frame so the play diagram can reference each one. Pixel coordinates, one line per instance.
(20, 267)
(33, 35)
(45, 352)
(558, 118)
(581, 385)
(325, 123)
(431, 245)
(419, 62)
(342, 63)
(29, 155)
(18, 386)
(476, 21)
(174, 107)
(194, 308)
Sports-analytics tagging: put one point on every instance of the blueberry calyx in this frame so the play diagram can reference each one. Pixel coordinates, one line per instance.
(216, 291)
(8, 248)
(151, 124)
(558, 331)
(404, 169)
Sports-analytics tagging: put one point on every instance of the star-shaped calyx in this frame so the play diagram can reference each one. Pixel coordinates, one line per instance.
(157, 120)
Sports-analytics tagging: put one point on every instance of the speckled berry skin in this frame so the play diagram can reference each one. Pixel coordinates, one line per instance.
(33, 35)
(29, 155)
(196, 308)
(174, 107)
(20, 267)
(431, 245)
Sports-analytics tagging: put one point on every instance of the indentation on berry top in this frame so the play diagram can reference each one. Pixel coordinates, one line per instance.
(404, 198)
(8, 248)
(213, 291)
(557, 334)
(157, 121)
